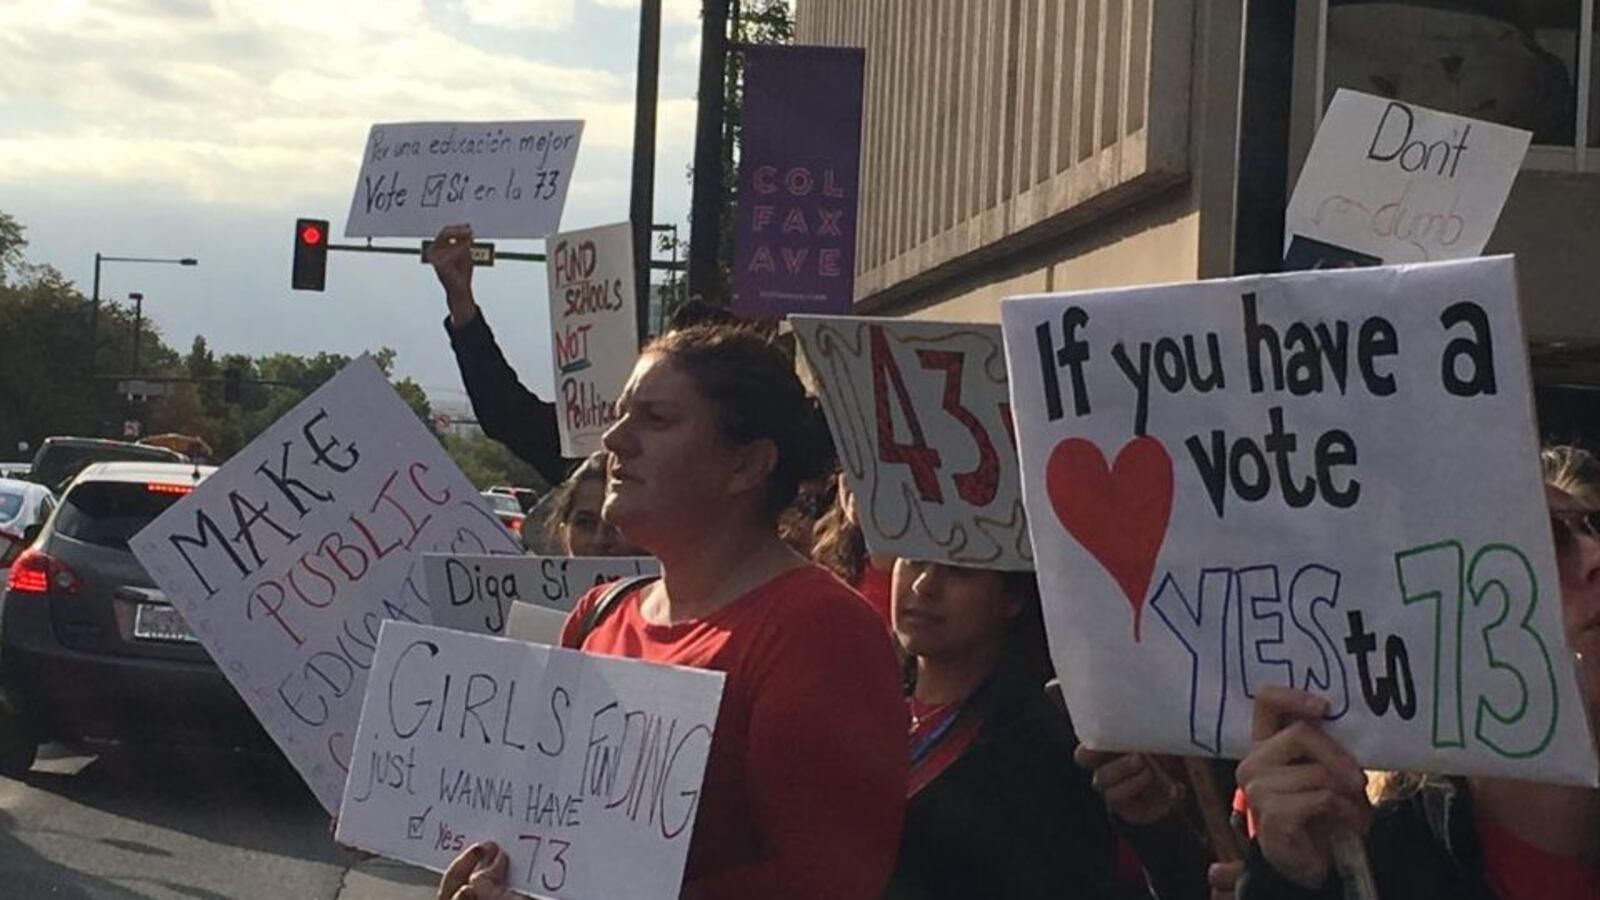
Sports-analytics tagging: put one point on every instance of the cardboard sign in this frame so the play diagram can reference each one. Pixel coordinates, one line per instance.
(287, 559)
(596, 333)
(508, 179)
(474, 593)
(1325, 480)
(1398, 183)
(922, 424)
(586, 769)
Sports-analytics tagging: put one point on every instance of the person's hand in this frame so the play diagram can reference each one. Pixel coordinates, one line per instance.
(1136, 787)
(479, 873)
(451, 256)
(1223, 877)
(1299, 782)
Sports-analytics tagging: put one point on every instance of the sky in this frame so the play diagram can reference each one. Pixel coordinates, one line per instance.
(204, 128)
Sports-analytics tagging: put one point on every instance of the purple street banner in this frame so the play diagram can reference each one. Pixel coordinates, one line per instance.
(795, 248)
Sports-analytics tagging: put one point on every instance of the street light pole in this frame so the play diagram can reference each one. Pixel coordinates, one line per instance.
(641, 205)
(138, 326)
(94, 302)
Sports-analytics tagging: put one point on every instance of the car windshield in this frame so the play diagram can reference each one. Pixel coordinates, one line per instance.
(11, 503)
(108, 513)
(503, 503)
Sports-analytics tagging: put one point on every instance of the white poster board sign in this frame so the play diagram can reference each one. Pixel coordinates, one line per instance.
(474, 592)
(1323, 480)
(1389, 182)
(506, 179)
(586, 769)
(595, 333)
(922, 424)
(286, 560)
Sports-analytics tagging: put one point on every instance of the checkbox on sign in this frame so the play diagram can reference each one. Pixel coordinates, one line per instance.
(432, 190)
(416, 825)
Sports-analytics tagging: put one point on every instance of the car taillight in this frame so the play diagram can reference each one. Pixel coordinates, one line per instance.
(157, 487)
(37, 572)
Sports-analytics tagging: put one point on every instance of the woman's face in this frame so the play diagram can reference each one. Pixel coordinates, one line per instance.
(584, 533)
(1578, 558)
(950, 611)
(671, 470)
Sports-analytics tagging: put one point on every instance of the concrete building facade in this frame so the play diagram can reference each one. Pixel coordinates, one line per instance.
(1019, 146)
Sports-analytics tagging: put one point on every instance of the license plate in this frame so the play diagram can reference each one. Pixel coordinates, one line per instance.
(160, 623)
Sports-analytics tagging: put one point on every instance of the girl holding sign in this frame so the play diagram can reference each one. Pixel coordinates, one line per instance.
(995, 808)
(805, 784)
(1431, 839)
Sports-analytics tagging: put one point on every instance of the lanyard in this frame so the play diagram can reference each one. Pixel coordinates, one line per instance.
(921, 746)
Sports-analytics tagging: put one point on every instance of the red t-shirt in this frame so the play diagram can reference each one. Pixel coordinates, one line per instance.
(875, 586)
(806, 782)
(1518, 870)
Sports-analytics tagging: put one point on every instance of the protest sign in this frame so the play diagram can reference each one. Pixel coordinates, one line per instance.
(286, 560)
(473, 592)
(1390, 182)
(922, 424)
(1324, 480)
(585, 769)
(596, 335)
(799, 163)
(505, 179)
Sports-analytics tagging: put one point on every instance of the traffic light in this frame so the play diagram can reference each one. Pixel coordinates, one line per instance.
(310, 254)
(232, 384)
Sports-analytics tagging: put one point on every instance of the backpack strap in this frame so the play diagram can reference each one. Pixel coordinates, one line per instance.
(608, 601)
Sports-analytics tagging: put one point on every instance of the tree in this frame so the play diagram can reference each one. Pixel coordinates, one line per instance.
(750, 22)
(487, 462)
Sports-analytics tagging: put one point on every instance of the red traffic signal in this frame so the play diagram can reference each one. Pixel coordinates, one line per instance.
(310, 255)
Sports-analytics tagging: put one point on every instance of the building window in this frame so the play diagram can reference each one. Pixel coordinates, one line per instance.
(1526, 63)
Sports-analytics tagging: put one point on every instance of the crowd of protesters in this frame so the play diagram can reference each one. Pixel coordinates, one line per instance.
(886, 730)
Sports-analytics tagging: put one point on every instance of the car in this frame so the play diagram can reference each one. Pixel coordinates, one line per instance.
(507, 509)
(528, 498)
(24, 506)
(60, 458)
(15, 470)
(90, 648)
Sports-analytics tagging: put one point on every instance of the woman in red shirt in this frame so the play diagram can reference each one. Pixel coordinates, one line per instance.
(805, 784)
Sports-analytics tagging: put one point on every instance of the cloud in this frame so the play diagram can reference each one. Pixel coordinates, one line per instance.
(681, 11)
(240, 102)
(548, 15)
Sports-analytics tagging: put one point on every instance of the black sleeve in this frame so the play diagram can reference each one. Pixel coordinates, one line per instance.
(506, 411)
(1174, 858)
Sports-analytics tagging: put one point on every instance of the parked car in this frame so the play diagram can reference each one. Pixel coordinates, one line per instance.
(527, 498)
(60, 458)
(508, 509)
(16, 470)
(90, 649)
(24, 506)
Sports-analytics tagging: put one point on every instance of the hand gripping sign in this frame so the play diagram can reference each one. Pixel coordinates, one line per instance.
(1325, 480)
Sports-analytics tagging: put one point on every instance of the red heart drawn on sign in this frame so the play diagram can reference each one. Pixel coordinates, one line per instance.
(1119, 515)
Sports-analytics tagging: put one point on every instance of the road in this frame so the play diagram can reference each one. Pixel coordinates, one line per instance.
(179, 825)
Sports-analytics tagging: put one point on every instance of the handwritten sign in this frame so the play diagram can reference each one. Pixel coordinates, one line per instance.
(1398, 183)
(922, 423)
(509, 179)
(596, 334)
(585, 769)
(286, 560)
(474, 592)
(1325, 480)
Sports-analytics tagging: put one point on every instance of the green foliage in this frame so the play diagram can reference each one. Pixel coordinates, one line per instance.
(487, 462)
(758, 22)
(46, 388)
